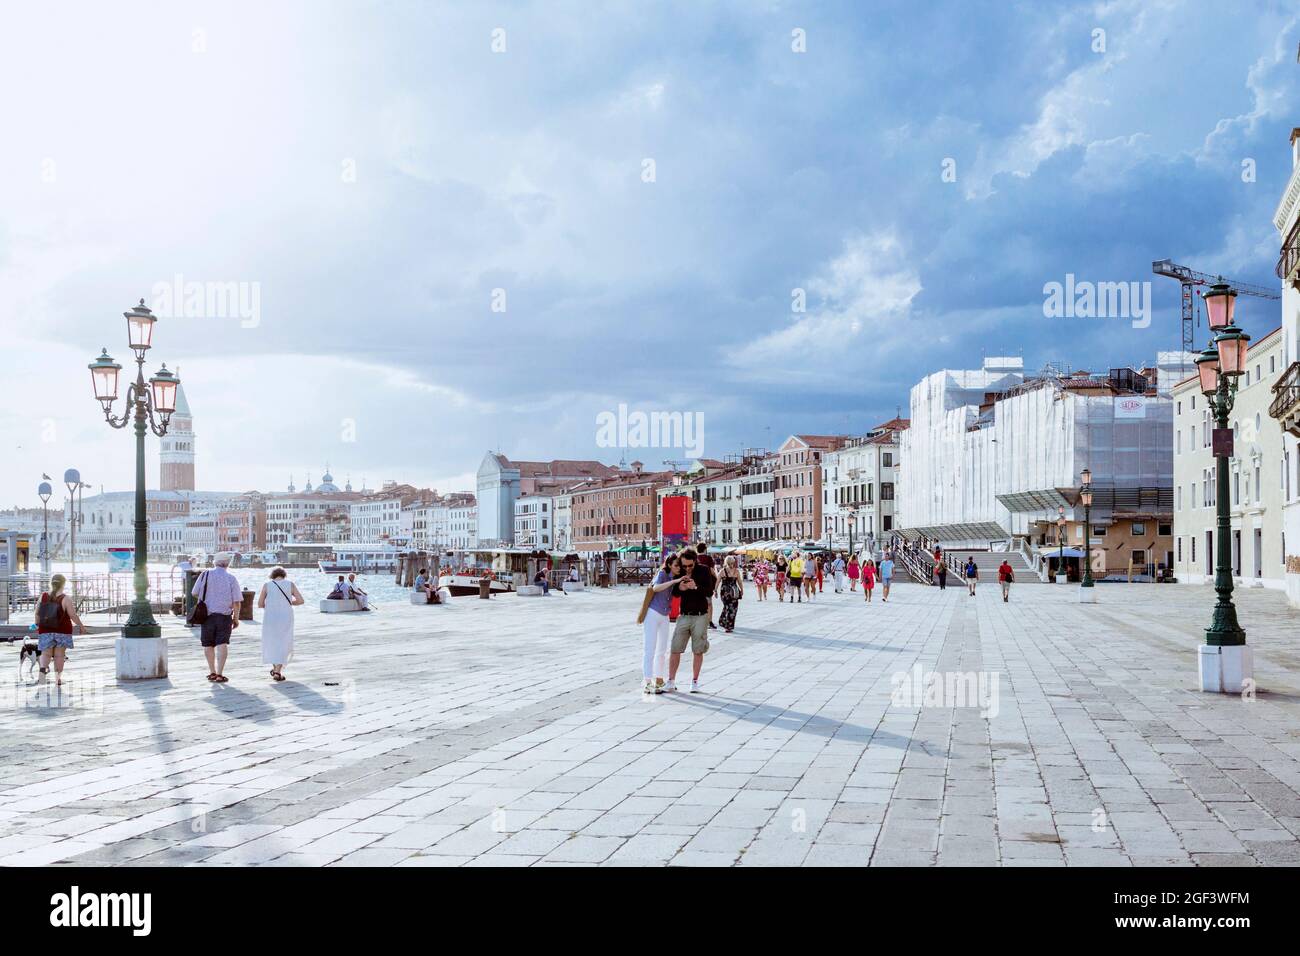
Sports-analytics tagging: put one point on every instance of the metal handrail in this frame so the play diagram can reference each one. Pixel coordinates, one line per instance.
(1289, 257)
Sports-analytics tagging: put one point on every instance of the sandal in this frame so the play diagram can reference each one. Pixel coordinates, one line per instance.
(221, 678)
(212, 676)
(279, 676)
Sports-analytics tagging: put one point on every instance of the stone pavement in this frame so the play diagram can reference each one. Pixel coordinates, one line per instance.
(513, 733)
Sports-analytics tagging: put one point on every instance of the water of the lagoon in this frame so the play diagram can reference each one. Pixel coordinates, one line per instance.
(313, 584)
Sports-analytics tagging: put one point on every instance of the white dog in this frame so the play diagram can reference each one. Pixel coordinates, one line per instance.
(28, 656)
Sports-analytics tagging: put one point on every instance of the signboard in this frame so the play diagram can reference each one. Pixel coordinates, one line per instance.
(1131, 406)
(675, 522)
(1221, 441)
(121, 559)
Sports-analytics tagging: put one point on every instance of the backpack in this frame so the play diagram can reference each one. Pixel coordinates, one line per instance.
(49, 614)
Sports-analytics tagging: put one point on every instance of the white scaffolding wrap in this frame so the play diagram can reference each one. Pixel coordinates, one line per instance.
(988, 453)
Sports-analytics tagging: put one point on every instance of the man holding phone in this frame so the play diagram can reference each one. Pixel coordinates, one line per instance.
(695, 590)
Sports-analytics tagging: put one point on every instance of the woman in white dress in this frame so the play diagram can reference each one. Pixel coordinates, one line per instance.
(278, 601)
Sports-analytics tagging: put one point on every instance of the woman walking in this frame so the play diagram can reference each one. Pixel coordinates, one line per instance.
(782, 570)
(656, 629)
(868, 577)
(277, 623)
(941, 572)
(731, 590)
(56, 616)
(854, 572)
(760, 579)
(797, 565)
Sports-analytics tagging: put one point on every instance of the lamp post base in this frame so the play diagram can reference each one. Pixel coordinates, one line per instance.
(1226, 669)
(141, 658)
(1087, 595)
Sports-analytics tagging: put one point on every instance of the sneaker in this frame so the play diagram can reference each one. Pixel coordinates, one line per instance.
(649, 687)
(670, 686)
(712, 626)
(659, 688)
(695, 687)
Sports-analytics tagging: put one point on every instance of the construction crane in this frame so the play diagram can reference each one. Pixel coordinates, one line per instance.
(1189, 278)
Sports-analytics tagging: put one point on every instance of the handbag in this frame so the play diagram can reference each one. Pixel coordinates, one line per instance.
(645, 605)
(199, 614)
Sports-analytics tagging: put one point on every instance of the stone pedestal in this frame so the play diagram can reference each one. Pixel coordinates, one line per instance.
(141, 658)
(1226, 670)
(1087, 595)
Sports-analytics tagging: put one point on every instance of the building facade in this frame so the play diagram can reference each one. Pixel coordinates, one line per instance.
(620, 510)
(1284, 407)
(797, 489)
(991, 456)
(859, 482)
(501, 481)
(534, 524)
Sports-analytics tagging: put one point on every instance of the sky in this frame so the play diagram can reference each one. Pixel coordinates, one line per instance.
(450, 228)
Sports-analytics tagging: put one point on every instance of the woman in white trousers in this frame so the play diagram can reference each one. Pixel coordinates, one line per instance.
(656, 627)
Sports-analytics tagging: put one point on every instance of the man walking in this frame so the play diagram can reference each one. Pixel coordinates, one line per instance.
(886, 576)
(796, 575)
(694, 589)
(1005, 576)
(706, 561)
(218, 589)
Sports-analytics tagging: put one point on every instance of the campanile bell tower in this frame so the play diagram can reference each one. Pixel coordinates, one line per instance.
(176, 459)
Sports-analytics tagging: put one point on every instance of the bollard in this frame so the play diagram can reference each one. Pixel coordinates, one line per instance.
(190, 600)
(484, 588)
(246, 607)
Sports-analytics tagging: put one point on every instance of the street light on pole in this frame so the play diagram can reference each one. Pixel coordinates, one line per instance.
(141, 651)
(1060, 544)
(44, 491)
(72, 478)
(1225, 662)
(1088, 596)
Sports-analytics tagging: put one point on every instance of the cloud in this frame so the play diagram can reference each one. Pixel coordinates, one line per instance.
(868, 287)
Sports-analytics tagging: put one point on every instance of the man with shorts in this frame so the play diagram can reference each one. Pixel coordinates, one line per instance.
(218, 589)
(695, 590)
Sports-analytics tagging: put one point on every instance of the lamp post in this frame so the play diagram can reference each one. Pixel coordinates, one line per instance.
(1225, 662)
(1060, 545)
(141, 651)
(72, 479)
(44, 491)
(1087, 593)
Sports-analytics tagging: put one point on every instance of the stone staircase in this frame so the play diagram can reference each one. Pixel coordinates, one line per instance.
(989, 561)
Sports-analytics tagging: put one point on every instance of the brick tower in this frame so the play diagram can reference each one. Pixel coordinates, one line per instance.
(176, 460)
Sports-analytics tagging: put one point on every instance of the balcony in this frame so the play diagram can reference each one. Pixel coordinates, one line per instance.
(1290, 258)
(1285, 406)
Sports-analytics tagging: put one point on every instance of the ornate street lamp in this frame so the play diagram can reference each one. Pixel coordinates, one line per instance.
(1225, 662)
(1085, 497)
(149, 406)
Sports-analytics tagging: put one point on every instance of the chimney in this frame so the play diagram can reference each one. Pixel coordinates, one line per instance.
(636, 467)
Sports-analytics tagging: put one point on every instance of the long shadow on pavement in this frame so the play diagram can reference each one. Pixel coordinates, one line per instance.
(809, 641)
(770, 716)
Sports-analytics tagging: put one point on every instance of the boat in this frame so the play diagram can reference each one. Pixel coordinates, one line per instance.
(359, 558)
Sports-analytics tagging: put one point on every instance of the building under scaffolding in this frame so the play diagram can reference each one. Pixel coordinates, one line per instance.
(992, 453)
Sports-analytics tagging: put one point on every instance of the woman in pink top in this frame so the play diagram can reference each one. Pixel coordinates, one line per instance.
(854, 571)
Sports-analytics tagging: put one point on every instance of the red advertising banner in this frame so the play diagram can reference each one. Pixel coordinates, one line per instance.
(675, 523)
(676, 517)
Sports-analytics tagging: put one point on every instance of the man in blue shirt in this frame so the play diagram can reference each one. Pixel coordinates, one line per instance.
(886, 575)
